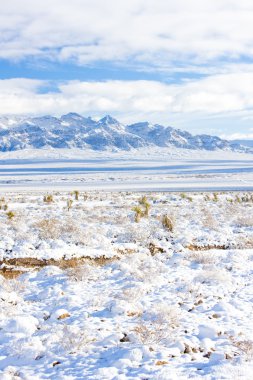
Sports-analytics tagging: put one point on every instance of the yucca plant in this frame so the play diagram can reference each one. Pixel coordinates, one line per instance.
(146, 205)
(138, 213)
(76, 194)
(69, 204)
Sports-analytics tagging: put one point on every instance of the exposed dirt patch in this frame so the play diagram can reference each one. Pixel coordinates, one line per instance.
(195, 247)
(12, 268)
(10, 273)
(30, 262)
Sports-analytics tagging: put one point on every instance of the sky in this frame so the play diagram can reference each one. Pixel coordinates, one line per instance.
(184, 63)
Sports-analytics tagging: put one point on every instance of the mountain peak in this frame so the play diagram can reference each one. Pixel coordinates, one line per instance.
(72, 115)
(108, 120)
(75, 131)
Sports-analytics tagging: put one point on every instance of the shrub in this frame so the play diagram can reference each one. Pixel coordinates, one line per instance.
(74, 339)
(245, 221)
(215, 197)
(146, 209)
(160, 327)
(76, 194)
(201, 257)
(146, 205)
(168, 223)
(208, 220)
(184, 196)
(142, 209)
(138, 213)
(69, 204)
(10, 215)
(3, 204)
(245, 347)
(3, 207)
(49, 228)
(48, 198)
(143, 200)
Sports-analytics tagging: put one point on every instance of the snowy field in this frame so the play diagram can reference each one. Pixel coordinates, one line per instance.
(126, 285)
(162, 169)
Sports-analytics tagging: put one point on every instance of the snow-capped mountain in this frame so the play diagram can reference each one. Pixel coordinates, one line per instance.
(75, 131)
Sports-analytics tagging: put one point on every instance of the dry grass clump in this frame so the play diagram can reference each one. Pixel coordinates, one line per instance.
(67, 228)
(152, 333)
(74, 339)
(15, 285)
(160, 327)
(3, 204)
(208, 220)
(245, 348)
(202, 257)
(168, 222)
(245, 221)
(213, 276)
(83, 272)
(48, 198)
(187, 197)
(245, 198)
(245, 242)
(49, 228)
(10, 215)
(133, 294)
(231, 211)
(20, 225)
(215, 197)
(137, 235)
(147, 271)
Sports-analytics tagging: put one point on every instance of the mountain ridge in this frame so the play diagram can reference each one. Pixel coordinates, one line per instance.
(75, 131)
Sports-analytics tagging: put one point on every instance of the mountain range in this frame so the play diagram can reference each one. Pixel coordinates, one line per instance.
(75, 131)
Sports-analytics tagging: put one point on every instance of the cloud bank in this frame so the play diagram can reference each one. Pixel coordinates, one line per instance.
(150, 33)
(212, 95)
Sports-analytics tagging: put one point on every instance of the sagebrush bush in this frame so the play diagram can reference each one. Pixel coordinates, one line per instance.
(49, 228)
(245, 348)
(202, 257)
(245, 221)
(208, 220)
(163, 321)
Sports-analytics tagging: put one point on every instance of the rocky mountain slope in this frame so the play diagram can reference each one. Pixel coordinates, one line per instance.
(75, 131)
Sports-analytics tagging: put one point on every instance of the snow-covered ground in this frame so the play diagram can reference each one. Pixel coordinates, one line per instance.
(144, 169)
(173, 301)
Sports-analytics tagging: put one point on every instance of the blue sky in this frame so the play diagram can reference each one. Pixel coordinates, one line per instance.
(186, 63)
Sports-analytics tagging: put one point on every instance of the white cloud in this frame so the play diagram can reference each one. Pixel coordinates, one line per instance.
(238, 136)
(155, 32)
(134, 100)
